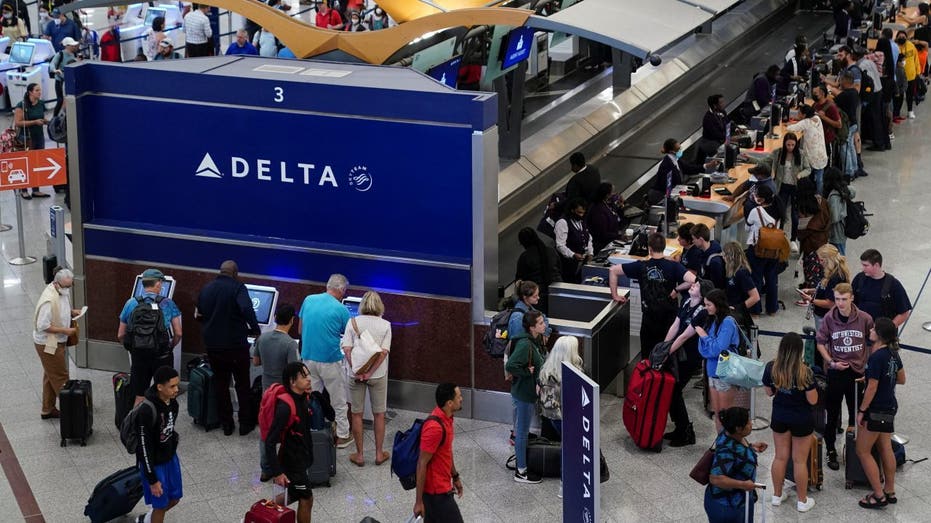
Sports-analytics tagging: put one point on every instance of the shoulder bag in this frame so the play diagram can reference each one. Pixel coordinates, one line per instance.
(365, 352)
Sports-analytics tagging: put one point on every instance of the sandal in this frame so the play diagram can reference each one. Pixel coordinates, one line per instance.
(871, 501)
(358, 463)
(890, 497)
(385, 456)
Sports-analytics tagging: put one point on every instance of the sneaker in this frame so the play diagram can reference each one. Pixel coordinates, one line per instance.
(794, 246)
(891, 137)
(777, 500)
(911, 115)
(140, 518)
(806, 505)
(526, 477)
(833, 464)
(342, 443)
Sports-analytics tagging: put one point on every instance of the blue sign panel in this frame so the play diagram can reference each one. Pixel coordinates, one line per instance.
(364, 185)
(519, 43)
(581, 444)
(447, 72)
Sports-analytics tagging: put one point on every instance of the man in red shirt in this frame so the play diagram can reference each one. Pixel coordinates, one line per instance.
(437, 477)
(328, 18)
(830, 119)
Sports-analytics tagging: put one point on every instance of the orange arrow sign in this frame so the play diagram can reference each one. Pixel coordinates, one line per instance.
(34, 168)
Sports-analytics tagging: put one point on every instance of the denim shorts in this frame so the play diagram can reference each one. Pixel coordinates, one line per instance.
(719, 384)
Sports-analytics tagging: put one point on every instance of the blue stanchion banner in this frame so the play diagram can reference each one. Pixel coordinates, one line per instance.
(581, 445)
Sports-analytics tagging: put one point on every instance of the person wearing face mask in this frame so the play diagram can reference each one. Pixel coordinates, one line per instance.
(19, 10)
(51, 328)
(13, 26)
(831, 122)
(354, 24)
(669, 173)
(377, 19)
(912, 70)
(59, 28)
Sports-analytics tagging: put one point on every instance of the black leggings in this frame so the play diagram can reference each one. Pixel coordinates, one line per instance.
(910, 93)
(60, 95)
(842, 385)
(678, 413)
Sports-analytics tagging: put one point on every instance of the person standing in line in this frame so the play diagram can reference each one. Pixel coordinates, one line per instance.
(273, 351)
(733, 469)
(198, 35)
(323, 321)
(884, 370)
(226, 311)
(52, 326)
(720, 334)
(157, 452)
(29, 121)
(524, 365)
(878, 293)
(291, 429)
(842, 341)
(437, 476)
(836, 192)
(835, 272)
(791, 384)
(566, 349)
(375, 381)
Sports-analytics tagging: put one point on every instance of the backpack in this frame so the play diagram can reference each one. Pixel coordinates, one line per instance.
(772, 243)
(885, 294)
(841, 134)
(320, 410)
(705, 270)
(57, 129)
(855, 224)
(128, 435)
(406, 451)
(496, 340)
(867, 85)
(267, 409)
(655, 291)
(147, 331)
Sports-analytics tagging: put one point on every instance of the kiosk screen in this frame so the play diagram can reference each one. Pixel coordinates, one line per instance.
(152, 13)
(352, 303)
(167, 286)
(263, 302)
(21, 53)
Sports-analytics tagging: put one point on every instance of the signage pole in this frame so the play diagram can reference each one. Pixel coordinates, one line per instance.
(581, 447)
(5, 226)
(22, 259)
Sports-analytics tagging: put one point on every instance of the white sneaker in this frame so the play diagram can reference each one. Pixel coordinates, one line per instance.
(777, 500)
(794, 246)
(807, 505)
(559, 495)
(911, 115)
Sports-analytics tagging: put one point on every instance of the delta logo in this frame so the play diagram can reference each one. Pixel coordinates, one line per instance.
(302, 173)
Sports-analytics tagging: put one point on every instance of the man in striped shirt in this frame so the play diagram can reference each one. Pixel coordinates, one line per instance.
(198, 35)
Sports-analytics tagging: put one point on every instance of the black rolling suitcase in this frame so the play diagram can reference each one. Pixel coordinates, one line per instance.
(853, 469)
(202, 396)
(324, 465)
(123, 397)
(77, 411)
(115, 496)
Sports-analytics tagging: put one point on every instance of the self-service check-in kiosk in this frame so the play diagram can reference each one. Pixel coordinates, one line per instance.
(138, 19)
(264, 302)
(31, 59)
(168, 290)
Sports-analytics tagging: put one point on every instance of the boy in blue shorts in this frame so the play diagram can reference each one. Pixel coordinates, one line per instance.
(158, 444)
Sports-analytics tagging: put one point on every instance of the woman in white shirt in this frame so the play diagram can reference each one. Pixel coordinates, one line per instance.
(153, 36)
(374, 380)
(765, 271)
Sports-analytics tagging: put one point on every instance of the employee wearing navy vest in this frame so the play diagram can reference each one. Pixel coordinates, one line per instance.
(669, 173)
(573, 241)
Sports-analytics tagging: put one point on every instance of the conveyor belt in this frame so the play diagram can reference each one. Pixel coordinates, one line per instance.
(627, 162)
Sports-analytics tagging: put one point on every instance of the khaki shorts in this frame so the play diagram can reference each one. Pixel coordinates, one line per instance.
(378, 394)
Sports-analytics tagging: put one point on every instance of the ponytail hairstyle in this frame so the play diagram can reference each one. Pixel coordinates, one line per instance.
(734, 418)
(887, 332)
(29, 89)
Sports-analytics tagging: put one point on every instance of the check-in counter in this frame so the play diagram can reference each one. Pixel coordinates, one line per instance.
(602, 326)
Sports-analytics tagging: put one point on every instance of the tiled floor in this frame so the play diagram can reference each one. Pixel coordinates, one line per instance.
(221, 473)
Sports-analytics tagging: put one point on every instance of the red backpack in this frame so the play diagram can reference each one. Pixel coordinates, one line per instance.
(267, 409)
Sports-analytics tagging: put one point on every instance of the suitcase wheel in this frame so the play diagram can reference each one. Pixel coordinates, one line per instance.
(818, 487)
(83, 442)
(848, 485)
(64, 443)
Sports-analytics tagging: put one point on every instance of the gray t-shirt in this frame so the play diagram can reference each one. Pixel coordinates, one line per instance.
(276, 349)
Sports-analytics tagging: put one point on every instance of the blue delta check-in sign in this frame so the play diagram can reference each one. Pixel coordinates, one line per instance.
(581, 447)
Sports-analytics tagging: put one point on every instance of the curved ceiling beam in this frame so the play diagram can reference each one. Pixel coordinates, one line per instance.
(403, 11)
(374, 47)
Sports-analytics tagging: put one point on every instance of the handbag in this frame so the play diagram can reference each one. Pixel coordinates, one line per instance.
(737, 370)
(701, 472)
(772, 242)
(365, 352)
(73, 338)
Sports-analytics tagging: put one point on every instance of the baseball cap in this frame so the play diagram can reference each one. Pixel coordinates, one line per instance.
(152, 274)
(761, 170)
(56, 12)
(68, 41)
(166, 42)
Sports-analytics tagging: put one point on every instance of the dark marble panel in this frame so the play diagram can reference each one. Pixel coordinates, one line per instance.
(489, 372)
(431, 337)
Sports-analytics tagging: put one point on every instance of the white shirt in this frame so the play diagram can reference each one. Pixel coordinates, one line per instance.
(561, 230)
(754, 224)
(868, 67)
(812, 141)
(197, 28)
(44, 320)
(380, 329)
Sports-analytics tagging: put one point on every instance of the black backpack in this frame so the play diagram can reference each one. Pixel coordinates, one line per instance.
(497, 338)
(656, 290)
(147, 331)
(856, 224)
(885, 294)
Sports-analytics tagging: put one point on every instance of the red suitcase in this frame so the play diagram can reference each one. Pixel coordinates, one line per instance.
(646, 405)
(265, 511)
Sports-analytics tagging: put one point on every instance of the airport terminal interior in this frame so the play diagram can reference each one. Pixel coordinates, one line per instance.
(615, 88)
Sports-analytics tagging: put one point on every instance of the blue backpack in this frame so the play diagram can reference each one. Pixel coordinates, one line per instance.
(406, 452)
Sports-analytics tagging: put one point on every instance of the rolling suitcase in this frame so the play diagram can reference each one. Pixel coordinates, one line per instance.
(76, 402)
(544, 458)
(324, 465)
(267, 511)
(202, 397)
(123, 397)
(646, 405)
(853, 469)
(815, 464)
(115, 496)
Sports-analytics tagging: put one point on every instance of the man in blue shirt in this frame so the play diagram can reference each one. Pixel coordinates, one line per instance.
(323, 321)
(59, 27)
(242, 45)
(144, 363)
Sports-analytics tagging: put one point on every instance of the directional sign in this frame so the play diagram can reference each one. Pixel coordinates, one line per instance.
(35, 168)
